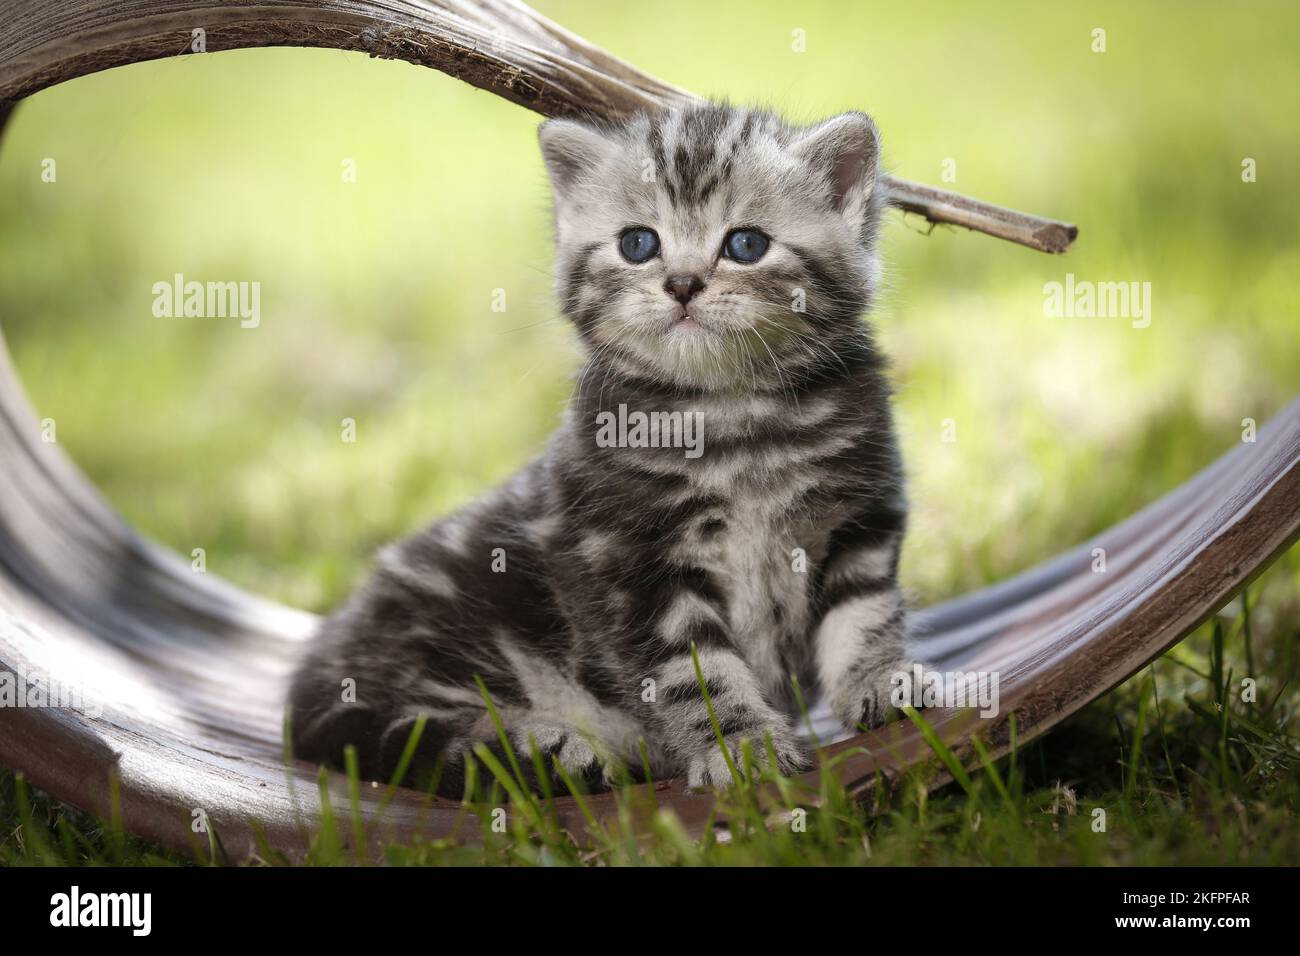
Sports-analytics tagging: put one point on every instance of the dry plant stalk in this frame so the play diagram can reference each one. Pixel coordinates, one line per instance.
(502, 46)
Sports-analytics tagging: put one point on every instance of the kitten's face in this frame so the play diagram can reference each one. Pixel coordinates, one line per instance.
(714, 248)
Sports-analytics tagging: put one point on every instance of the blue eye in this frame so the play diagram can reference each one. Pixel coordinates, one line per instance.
(745, 245)
(639, 245)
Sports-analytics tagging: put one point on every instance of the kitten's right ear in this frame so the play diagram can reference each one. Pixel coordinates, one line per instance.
(845, 151)
(570, 149)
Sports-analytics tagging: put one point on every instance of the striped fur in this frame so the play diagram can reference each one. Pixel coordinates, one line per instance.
(775, 552)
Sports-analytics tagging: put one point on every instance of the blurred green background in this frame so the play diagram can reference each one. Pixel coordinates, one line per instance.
(377, 294)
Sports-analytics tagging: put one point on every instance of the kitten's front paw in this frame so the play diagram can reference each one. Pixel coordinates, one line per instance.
(708, 768)
(871, 699)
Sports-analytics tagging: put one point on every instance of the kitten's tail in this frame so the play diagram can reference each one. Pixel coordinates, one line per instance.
(437, 763)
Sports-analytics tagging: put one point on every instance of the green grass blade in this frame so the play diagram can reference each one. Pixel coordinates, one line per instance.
(941, 750)
(713, 717)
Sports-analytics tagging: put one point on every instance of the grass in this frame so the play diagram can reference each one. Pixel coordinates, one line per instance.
(1173, 767)
(376, 307)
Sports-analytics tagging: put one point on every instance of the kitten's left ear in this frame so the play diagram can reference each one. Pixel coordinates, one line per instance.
(570, 149)
(845, 150)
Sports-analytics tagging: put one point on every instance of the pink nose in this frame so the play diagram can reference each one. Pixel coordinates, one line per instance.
(683, 288)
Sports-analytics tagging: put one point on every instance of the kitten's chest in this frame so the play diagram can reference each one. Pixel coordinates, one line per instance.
(781, 500)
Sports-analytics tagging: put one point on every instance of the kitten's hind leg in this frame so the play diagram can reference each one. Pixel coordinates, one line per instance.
(443, 751)
(585, 759)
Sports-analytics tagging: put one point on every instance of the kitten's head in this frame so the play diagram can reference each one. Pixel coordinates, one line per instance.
(713, 247)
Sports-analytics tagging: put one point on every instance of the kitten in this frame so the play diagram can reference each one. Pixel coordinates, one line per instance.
(715, 262)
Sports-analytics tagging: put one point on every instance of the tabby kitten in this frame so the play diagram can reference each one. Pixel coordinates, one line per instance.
(715, 262)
